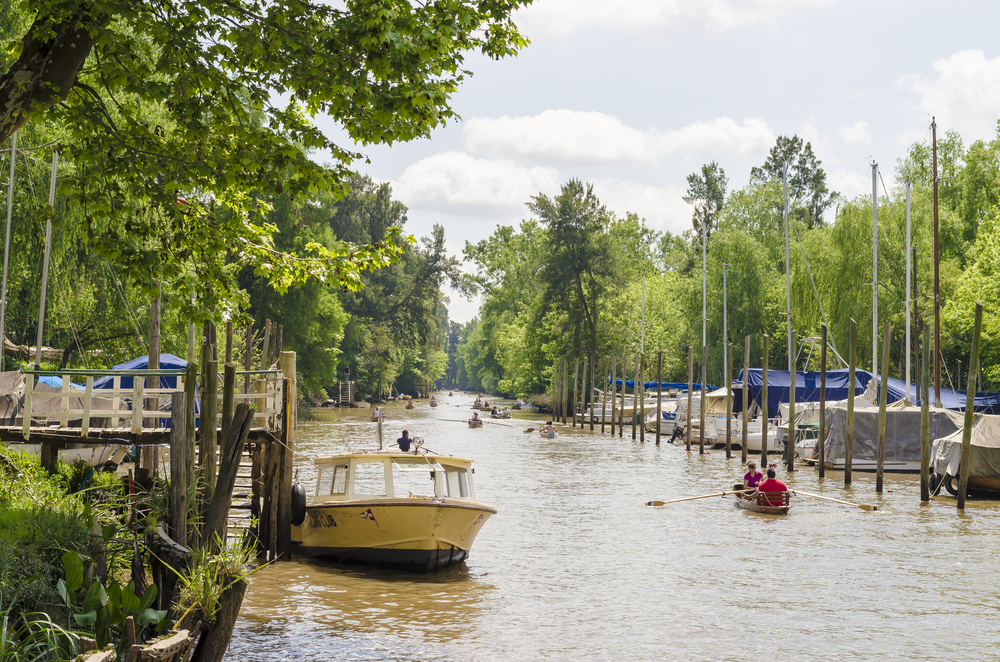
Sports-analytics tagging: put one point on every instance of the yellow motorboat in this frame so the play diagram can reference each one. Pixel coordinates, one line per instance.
(411, 511)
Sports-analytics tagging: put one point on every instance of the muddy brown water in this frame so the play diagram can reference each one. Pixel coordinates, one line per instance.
(571, 568)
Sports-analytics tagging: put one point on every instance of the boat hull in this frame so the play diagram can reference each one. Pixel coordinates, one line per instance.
(547, 435)
(419, 536)
(752, 506)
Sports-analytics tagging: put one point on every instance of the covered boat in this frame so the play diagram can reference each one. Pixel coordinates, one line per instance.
(984, 458)
(410, 511)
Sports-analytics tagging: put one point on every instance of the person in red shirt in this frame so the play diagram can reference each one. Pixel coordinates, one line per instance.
(772, 490)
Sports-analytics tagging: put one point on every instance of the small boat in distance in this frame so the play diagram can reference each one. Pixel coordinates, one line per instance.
(433, 402)
(548, 435)
(475, 422)
(379, 508)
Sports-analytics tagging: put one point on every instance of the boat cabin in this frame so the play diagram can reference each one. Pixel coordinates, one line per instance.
(393, 475)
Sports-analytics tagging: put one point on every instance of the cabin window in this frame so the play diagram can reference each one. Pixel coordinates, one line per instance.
(369, 479)
(339, 483)
(412, 480)
(457, 484)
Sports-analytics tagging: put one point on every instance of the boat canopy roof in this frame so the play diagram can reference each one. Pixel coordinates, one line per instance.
(984, 460)
(396, 456)
(651, 386)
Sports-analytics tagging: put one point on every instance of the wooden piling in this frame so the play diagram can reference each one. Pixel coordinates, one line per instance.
(614, 391)
(821, 439)
(883, 398)
(604, 396)
(590, 393)
(209, 428)
(229, 465)
(766, 412)
(852, 358)
(790, 445)
(576, 392)
(248, 356)
(148, 460)
(284, 548)
(659, 393)
(229, 342)
(621, 408)
(746, 397)
(704, 403)
(265, 362)
(687, 422)
(278, 348)
(925, 421)
(970, 408)
(228, 399)
(565, 389)
(190, 431)
(640, 386)
(635, 393)
(729, 401)
(178, 468)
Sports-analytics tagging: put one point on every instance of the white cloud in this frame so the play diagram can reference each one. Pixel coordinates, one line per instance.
(856, 134)
(663, 208)
(564, 17)
(581, 137)
(850, 183)
(963, 92)
(454, 182)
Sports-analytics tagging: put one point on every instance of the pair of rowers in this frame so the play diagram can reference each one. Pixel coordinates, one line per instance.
(772, 489)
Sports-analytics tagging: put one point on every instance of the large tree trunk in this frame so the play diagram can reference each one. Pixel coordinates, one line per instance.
(48, 67)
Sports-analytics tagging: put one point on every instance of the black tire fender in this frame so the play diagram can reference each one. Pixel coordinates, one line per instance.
(298, 504)
(951, 484)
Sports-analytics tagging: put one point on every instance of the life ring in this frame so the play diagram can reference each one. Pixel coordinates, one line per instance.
(298, 504)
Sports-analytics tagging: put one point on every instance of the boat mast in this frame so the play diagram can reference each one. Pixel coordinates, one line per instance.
(874, 268)
(704, 285)
(937, 280)
(908, 269)
(725, 317)
(45, 262)
(6, 243)
(642, 337)
(788, 273)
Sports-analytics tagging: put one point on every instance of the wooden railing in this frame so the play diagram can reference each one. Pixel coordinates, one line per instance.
(125, 408)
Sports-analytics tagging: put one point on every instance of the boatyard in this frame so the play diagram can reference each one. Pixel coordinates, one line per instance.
(574, 567)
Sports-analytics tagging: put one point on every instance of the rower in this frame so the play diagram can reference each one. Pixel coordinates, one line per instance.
(772, 490)
(548, 427)
(751, 479)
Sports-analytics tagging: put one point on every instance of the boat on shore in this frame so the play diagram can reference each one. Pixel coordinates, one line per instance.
(379, 508)
(758, 503)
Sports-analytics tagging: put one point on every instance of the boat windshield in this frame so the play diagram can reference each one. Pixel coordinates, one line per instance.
(413, 480)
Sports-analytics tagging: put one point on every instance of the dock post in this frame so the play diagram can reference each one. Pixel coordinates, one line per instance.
(209, 428)
(659, 393)
(852, 358)
(970, 409)
(284, 550)
(565, 390)
(746, 397)
(190, 431)
(729, 401)
(614, 391)
(821, 438)
(228, 399)
(265, 359)
(925, 422)
(635, 392)
(641, 386)
(229, 342)
(576, 391)
(604, 396)
(687, 416)
(704, 404)
(883, 398)
(766, 412)
(790, 445)
(281, 332)
(590, 393)
(248, 356)
(178, 468)
(621, 408)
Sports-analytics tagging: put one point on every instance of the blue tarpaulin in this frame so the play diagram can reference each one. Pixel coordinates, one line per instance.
(167, 362)
(838, 388)
(651, 386)
(53, 380)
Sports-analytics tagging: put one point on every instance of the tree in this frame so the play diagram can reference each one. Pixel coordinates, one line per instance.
(158, 101)
(807, 189)
(707, 192)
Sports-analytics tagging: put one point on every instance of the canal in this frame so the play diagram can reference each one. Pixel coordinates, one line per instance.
(572, 568)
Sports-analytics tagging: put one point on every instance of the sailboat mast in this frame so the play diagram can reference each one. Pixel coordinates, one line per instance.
(937, 280)
(908, 300)
(788, 274)
(874, 268)
(6, 243)
(45, 261)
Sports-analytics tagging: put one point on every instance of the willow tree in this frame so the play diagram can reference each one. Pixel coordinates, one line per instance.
(182, 119)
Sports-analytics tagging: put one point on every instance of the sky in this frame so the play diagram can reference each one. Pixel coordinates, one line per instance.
(633, 95)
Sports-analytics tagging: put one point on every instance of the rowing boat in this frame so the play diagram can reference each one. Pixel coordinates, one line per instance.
(757, 504)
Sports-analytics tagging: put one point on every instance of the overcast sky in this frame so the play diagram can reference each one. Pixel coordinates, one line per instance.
(633, 95)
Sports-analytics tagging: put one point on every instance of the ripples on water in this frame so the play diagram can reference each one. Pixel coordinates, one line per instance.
(570, 568)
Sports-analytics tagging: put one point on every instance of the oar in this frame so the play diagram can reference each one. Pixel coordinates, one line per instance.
(506, 425)
(529, 430)
(703, 496)
(863, 506)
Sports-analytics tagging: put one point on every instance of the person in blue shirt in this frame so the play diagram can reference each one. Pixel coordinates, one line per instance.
(405, 441)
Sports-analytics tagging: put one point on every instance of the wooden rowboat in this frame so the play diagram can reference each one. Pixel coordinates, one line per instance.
(757, 504)
(475, 423)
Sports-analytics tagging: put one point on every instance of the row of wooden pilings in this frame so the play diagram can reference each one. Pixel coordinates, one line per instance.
(566, 387)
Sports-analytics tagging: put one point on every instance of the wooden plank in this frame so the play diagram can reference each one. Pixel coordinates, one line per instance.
(883, 399)
(970, 407)
(29, 386)
(64, 402)
(190, 383)
(284, 542)
(209, 429)
(87, 395)
(136, 405)
(229, 466)
(116, 384)
(178, 469)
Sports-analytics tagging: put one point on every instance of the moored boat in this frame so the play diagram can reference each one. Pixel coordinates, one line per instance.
(379, 508)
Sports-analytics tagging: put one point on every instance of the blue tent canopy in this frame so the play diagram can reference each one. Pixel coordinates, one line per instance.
(53, 380)
(167, 362)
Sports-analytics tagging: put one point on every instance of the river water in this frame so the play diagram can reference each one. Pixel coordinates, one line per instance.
(573, 568)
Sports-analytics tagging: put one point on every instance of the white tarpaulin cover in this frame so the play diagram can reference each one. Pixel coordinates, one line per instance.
(902, 431)
(984, 459)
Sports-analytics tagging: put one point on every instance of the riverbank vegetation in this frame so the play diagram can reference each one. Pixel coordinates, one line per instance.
(568, 281)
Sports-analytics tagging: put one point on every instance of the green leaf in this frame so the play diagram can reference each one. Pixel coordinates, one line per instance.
(73, 565)
(150, 616)
(147, 598)
(108, 531)
(86, 619)
(129, 601)
(96, 598)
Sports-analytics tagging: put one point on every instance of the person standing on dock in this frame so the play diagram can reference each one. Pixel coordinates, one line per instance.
(751, 479)
(772, 490)
(405, 441)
